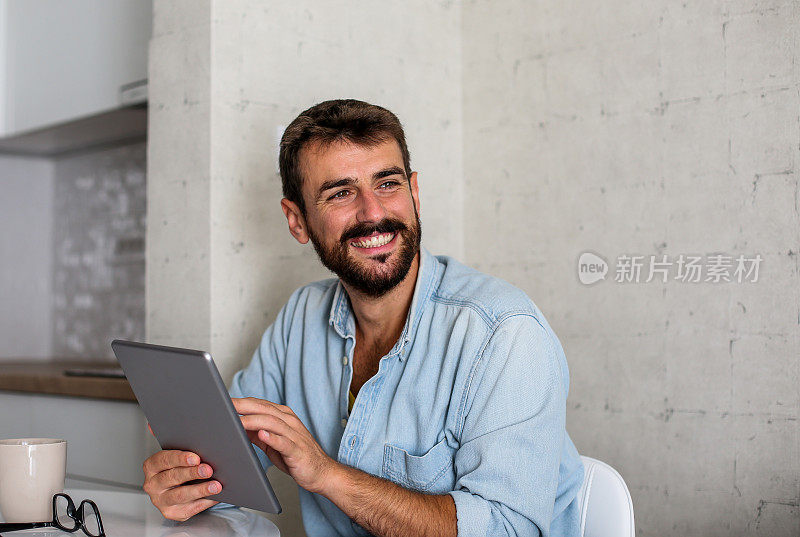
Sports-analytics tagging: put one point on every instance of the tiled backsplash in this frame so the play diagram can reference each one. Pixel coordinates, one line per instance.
(98, 242)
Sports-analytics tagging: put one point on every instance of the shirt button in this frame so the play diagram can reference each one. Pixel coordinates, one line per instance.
(344, 360)
(344, 422)
(352, 441)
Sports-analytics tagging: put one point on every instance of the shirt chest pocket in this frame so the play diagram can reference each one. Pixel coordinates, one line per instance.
(431, 472)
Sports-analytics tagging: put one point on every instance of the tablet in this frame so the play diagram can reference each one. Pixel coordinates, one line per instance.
(189, 408)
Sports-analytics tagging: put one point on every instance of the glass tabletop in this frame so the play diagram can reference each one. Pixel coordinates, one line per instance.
(131, 514)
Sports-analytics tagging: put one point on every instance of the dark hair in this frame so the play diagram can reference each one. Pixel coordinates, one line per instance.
(332, 121)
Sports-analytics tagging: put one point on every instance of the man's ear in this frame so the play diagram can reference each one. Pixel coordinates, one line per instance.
(296, 220)
(412, 181)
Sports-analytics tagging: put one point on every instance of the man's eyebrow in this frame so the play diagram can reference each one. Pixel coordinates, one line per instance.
(335, 183)
(393, 170)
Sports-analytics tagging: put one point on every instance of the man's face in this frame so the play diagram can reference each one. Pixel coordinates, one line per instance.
(361, 213)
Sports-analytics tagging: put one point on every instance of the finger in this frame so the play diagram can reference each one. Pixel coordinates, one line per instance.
(281, 411)
(277, 460)
(256, 422)
(254, 439)
(284, 445)
(189, 493)
(274, 455)
(180, 475)
(253, 405)
(190, 509)
(269, 423)
(166, 459)
(282, 408)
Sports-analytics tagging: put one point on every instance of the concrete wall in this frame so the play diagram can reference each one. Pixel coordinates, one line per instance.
(541, 130)
(652, 128)
(26, 257)
(177, 288)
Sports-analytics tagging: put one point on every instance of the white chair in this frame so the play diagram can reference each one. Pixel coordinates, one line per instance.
(605, 502)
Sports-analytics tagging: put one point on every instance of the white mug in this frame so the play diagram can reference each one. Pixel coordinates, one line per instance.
(32, 470)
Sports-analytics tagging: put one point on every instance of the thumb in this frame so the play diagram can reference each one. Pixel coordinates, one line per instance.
(277, 460)
(255, 440)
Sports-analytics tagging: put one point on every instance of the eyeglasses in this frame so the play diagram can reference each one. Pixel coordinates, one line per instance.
(65, 517)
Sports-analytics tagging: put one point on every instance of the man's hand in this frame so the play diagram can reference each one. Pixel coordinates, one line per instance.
(164, 476)
(286, 441)
(380, 506)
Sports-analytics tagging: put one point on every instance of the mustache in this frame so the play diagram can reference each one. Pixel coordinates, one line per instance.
(362, 230)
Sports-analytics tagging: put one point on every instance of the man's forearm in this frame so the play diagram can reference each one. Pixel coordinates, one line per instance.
(386, 509)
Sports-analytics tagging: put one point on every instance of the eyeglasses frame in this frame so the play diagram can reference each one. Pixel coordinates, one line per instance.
(75, 514)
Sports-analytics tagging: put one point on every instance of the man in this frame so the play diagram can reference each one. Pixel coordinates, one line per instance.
(454, 420)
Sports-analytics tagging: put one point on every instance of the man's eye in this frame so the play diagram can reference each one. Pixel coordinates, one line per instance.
(339, 195)
(389, 184)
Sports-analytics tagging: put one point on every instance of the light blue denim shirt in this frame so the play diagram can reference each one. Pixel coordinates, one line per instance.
(470, 402)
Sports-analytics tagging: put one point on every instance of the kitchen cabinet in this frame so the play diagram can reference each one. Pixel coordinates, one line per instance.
(66, 60)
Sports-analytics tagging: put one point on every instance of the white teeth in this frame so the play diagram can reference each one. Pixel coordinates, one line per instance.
(373, 242)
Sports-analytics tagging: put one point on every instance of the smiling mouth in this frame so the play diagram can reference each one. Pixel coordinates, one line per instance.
(375, 241)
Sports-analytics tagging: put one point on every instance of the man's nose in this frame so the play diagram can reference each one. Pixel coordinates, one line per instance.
(370, 208)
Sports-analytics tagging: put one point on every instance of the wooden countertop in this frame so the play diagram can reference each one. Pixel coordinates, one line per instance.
(36, 376)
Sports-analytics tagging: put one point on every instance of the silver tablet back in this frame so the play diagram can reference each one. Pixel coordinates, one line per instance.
(188, 407)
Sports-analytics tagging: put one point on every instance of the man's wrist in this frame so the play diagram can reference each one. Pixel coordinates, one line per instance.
(334, 476)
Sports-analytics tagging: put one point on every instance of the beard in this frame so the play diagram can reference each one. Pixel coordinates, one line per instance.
(369, 280)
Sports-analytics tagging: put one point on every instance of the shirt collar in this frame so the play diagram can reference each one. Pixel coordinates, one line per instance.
(343, 321)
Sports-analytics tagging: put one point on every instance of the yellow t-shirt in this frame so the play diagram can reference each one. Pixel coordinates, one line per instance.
(350, 403)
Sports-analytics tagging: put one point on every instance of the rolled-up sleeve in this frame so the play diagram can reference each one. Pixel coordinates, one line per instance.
(512, 432)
